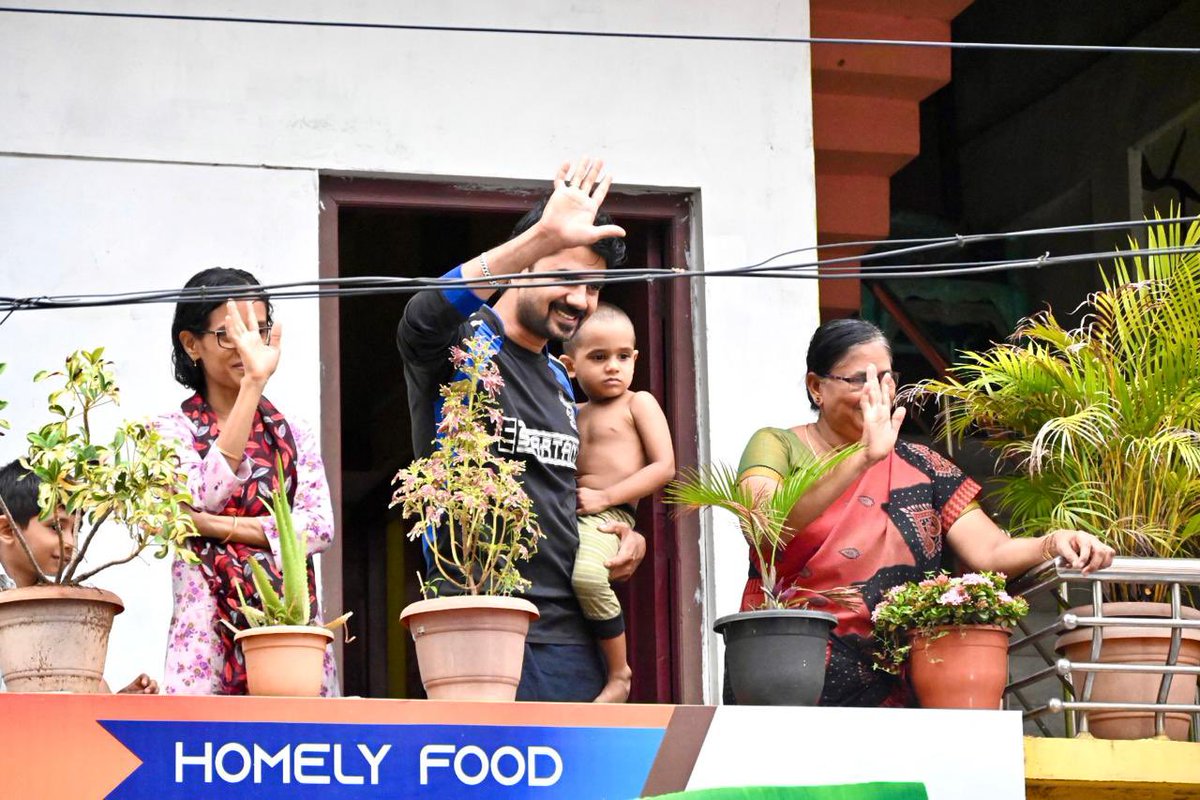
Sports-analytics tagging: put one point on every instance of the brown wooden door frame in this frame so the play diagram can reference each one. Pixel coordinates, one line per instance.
(680, 555)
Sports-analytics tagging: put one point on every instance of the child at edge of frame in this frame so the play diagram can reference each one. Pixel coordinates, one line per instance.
(19, 489)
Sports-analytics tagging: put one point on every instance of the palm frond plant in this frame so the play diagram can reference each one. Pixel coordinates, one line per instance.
(763, 518)
(1100, 423)
(774, 654)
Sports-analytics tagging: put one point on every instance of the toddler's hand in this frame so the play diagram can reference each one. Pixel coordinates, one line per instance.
(591, 501)
(142, 684)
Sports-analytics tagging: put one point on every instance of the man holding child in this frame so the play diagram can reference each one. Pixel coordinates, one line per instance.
(567, 234)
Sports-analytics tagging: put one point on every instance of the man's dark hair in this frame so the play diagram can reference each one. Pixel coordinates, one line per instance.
(19, 488)
(612, 249)
(193, 316)
(833, 340)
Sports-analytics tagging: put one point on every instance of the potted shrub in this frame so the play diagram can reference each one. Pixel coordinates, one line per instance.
(283, 651)
(471, 645)
(774, 655)
(953, 632)
(1101, 425)
(54, 635)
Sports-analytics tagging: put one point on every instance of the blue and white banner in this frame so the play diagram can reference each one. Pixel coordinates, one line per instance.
(190, 760)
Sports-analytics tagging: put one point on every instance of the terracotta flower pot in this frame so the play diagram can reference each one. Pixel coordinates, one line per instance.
(470, 647)
(55, 638)
(285, 660)
(960, 666)
(1130, 645)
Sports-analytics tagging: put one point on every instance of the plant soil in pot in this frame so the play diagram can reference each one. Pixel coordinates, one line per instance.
(1133, 645)
(776, 656)
(470, 647)
(285, 660)
(55, 638)
(960, 666)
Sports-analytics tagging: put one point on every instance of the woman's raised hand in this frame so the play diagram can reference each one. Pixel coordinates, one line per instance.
(259, 358)
(881, 423)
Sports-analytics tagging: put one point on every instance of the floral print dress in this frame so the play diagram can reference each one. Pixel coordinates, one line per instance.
(195, 656)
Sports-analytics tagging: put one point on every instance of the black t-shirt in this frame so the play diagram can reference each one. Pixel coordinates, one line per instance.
(539, 429)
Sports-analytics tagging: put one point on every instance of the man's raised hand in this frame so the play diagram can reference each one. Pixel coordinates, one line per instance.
(570, 213)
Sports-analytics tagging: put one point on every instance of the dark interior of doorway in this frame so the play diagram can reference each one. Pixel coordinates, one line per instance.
(379, 564)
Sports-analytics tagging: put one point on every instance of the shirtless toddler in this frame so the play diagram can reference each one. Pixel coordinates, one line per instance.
(625, 454)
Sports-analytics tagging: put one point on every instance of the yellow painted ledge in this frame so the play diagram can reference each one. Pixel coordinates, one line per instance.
(1083, 769)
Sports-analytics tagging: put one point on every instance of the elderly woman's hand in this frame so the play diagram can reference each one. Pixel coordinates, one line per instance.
(1082, 551)
(881, 423)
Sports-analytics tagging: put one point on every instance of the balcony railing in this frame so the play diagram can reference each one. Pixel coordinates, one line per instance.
(1057, 685)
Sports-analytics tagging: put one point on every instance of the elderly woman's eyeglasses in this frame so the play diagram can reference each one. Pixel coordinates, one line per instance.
(226, 343)
(859, 379)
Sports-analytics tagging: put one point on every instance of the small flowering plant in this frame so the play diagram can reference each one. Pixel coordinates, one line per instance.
(476, 519)
(977, 598)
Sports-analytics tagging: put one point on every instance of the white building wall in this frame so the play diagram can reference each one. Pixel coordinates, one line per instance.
(135, 152)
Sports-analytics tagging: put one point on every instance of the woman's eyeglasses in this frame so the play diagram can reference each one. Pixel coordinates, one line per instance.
(859, 379)
(225, 343)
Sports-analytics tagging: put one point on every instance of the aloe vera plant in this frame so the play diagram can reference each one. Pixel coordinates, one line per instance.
(293, 607)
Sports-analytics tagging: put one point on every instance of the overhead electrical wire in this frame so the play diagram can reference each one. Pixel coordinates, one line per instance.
(378, 285)
(830, 268)
(689, 37)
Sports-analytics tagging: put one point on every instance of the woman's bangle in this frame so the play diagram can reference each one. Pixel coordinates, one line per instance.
(1048, 542)
(228, 454)
(232, 531)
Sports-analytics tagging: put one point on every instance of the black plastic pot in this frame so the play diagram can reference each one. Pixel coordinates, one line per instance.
(776, 657)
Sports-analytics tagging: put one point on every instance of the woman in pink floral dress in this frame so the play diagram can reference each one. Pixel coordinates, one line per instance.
(230, 438)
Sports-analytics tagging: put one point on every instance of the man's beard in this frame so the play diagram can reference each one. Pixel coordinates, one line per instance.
(537, 322)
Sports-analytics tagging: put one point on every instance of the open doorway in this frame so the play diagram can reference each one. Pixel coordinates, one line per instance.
(400, 228)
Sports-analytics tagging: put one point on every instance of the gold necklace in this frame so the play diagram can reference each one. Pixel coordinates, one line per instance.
(826, 446)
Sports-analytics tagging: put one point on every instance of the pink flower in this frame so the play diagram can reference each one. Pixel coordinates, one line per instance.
(492, 382)
(458, 356)
(954, 597)
(1003, 597)
(975, 579)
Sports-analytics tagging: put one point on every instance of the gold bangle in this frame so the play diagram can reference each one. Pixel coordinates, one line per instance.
(228, 454)
(232, 531)
(1048, 542)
